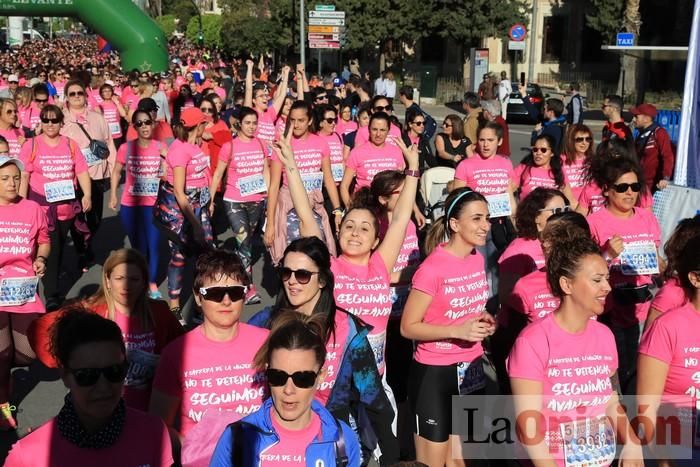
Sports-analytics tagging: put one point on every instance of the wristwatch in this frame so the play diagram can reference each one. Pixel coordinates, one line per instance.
(412, 173)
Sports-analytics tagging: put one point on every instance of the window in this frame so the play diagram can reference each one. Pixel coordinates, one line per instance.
(553, 38)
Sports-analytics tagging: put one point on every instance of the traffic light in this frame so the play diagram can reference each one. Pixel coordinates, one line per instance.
(200, 38)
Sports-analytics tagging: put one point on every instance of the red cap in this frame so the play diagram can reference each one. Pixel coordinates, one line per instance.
(644, 109)
(192, 117)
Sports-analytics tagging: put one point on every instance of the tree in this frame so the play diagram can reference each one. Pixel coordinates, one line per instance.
(167, 24)
(211, 28)
(605, 17)
(256, 26)
(182, 9)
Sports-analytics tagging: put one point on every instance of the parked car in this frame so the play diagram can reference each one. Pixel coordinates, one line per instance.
(516, 107)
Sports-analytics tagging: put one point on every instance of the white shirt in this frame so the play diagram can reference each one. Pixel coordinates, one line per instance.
(379, 87)
(504, 89)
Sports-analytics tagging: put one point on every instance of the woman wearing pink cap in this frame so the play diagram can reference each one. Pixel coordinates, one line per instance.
(183, 198)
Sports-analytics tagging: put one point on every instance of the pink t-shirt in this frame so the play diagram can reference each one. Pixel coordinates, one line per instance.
(364, 292)
(670, 296)
(142, 172)
(362, 135)
(367, 160)
(459, 290)
(343, 127)
(144, 441)
(531, 296)
(266, 125)
(574, 370)
(575, 173)
(248, 161)
(673, 339)
(29, 116)
(23, 227)
(12, 136)
(112, 117)
(639, 231)
(291, 448)
(521, 257)
(591, 198)
(410, 251)
(529, 178)
(209, 375)
(193, 159)
(309, 152)
(335, 145)
(335, 349)
(490, 176)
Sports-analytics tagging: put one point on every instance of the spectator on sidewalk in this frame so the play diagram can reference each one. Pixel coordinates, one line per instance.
(654, 148)
(553, 124)
(615, 127)
(486, 89)
(379, 85)
(574, 109)
(504, 89)
(406, 98)
(472, 106)
(390, 86)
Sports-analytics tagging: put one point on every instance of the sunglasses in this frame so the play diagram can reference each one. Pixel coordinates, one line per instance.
(76, 94)
(557, 210)
(447, 125)
(320, 98)
(207, 110)
(382, 108)
(141, 123)
(542, 150)
(623, 187)
(89, 376)
(55, 121)
(216, 294)
(581, 139)
(14, 82)
(301, 379)
(330, 120)
(41, 101)
(10, 112)
(301, 275)
(419, 123)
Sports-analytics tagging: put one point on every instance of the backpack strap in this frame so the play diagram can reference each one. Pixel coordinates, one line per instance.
(237, 446)
(341, 457)
(32, 156)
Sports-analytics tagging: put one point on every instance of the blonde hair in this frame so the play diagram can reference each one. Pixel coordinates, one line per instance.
(23, 96)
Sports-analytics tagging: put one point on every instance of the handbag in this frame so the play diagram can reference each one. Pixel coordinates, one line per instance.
(98, 148)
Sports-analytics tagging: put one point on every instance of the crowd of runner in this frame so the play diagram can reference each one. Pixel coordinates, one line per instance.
(547, 281)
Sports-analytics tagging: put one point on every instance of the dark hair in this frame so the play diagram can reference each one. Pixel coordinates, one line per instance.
(380, 116)
(383, 184)
(471, 99)
(690, 262)
(616, 168)
(454, 205)
(292, 330)
(316, 251)
(570, 146)
(555, 105)
(554, 162)
(412, 113)
(574, 86)
(607, 150)
(364, 107)
(378, 98)
(406, 91)
(319, 111)
(137, 112)
(77, 326)
(571, 218)
(214, 264)
(457, 127)
(105, 87)
(209, 99)
(51, 109)
(244, 112)
(529, 208)
(615, 101)
(682, 234)
(491, 126)
(75, 82)
(306, 107)
(40, 88)
(565, 258)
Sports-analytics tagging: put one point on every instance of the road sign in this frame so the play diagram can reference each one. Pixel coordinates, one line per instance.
(516, 45)
(324, 8)
(327, 14)
(324, 37)
(326, 29)
(625, 39)
(326, 21)
(324, 45)
(517, 33)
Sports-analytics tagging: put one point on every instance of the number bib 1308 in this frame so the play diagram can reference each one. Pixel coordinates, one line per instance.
(639, 259)
(18, 290)
(312, 181)
(61, 190)
(588, 442)
(144, 186)
(499, 205)
(252, 184)
(470, 377)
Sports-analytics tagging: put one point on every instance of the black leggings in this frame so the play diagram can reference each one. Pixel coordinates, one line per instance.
(58, 238)
(14, 347)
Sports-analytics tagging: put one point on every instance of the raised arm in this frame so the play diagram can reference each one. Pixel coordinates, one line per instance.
(281, 92)
(248, 97)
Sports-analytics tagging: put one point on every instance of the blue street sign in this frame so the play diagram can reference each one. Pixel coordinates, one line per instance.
(517, 32)
(625, 39)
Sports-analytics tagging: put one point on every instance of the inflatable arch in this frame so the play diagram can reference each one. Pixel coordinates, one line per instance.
(139, 40)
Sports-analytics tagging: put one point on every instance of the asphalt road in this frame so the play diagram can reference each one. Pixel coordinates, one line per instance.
(38, 392)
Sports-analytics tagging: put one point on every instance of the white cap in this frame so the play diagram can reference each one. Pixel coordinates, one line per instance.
(4, 160)
(14, 78)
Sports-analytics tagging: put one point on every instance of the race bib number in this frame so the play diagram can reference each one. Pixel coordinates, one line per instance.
(470, 377)
(338, 171)
(312, 181)
(144, 186)
(588, 442)
(499, 205)
(639, 259)
(252, 184)
(142, 367)
(90, 158)
(115, 128)
(18, 290)
(377, 342)
(61, 190)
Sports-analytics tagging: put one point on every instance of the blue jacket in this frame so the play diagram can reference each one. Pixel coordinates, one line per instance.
(357, 384)
(259, 435)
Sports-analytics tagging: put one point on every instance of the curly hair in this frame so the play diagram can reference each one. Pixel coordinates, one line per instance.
(686, 230)
(564, 260)
(530, 207)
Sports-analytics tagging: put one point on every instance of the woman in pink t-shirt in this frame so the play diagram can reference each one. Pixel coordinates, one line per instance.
(327, 120)
(281, 122)
(562, 365)
(668, 370)
(629, 237)
(350, 139)
(257, 96)
(542, 168)
(446, 315)
(671, 294)
(113, 111)
(345, 123)
(578, 151)
(143, 160)
(8, 126)
(94, 426)
(246, 158)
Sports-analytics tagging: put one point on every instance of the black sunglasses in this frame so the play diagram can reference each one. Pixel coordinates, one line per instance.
(623, 187)
(76, 94)
(41, 101)
(382, 108)
(302, 275)
(216, 294)
(331, 120)
(208, 110)
(88, 376)
(419, 123)
(141, 123)
(55, 121)
(581, 139)
(301, 379)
